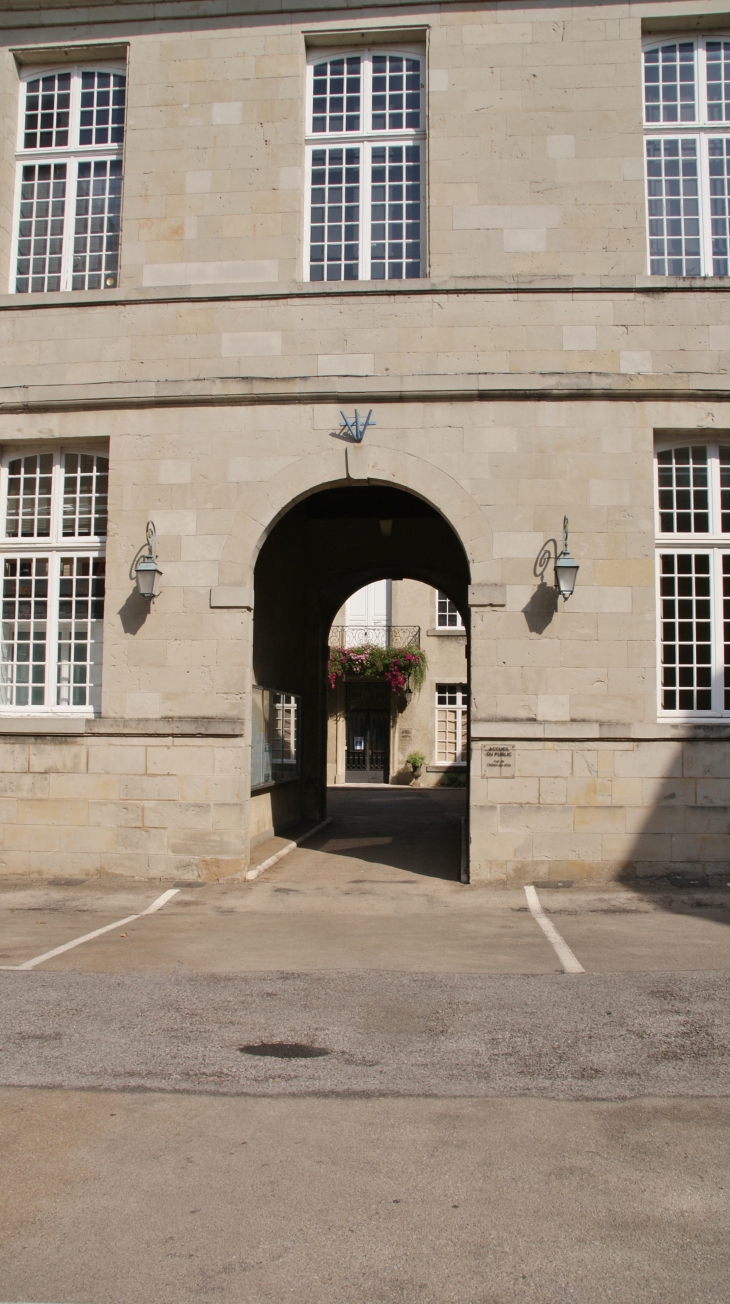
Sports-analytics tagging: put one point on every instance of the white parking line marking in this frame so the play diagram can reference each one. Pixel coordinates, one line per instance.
(87, 937)
(561, 948)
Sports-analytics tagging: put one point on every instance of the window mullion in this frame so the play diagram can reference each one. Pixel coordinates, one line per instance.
(54, 572)
(705, 205)
(716, 597)
(365, 209)
(72, 168)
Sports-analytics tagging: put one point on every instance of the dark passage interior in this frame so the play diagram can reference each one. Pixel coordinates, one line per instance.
(320, 551)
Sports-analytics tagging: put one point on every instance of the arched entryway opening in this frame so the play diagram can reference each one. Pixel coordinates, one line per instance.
(331, 543)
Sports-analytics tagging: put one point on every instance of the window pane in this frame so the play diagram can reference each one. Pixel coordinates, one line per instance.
(85, 491)
(669, 83)
(284, 736)
(395, 250)
(335, 215)
(24, 623)
(684, 506)
(40, 228)
(719, 152)
(80, 626)
(447, 613)
(260, 738)
(47, 107)
(396, 93)
(102, 108)
(718, 81)
(686, 638)
(724, 454)
(98, 223)
(28, 514)
(336, 94)
(674, 208)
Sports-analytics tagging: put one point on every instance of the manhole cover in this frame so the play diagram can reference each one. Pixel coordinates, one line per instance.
(284, 1050)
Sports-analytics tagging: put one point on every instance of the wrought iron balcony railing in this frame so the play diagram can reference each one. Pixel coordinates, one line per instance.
(375, 635)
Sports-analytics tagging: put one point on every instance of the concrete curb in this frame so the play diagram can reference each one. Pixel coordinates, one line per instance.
(266, 864)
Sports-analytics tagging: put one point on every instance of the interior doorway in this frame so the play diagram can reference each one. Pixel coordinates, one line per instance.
(367, 754)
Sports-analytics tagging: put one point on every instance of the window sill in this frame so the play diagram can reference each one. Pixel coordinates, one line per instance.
(446, 632)
(277, 783)
(447, 767)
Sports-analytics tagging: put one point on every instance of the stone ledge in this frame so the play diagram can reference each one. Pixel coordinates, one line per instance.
(446, 633)
(595, 731)
(447, 767)
(413, 387)
(166, 726)
(237, 597)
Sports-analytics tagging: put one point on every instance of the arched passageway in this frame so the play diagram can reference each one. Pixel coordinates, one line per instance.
(321, 550)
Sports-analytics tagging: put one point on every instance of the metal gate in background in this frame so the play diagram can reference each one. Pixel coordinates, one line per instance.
(367, 758)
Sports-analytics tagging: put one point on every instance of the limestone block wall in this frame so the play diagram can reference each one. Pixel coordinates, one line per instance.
(534, 119)
(602, 804)
(146, 805)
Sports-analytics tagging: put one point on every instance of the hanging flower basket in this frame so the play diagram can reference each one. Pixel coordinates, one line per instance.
(397, 665)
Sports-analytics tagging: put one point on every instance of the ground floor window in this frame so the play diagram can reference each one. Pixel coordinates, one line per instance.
(451, 723)
(694, 598)
(53, 523)
(274, 737)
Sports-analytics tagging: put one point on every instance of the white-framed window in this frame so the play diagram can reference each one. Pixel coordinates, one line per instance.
(69, 179)
(274, 737)
(447, 613)
(366, 165)
(451, 723)
(687, 152)
(53, 536)
(693, 579)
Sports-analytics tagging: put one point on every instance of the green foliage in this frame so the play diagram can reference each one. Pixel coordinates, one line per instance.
(415, 759)
(399, 666)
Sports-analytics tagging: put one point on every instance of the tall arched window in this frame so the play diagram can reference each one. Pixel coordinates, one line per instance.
(687, 145)
(693, 578)
(366, 166)
(69, 179)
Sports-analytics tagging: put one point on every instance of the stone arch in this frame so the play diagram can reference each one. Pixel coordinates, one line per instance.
(266, 503)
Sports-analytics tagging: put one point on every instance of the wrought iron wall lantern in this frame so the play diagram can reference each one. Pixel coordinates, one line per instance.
(147, 572)
(566, 567)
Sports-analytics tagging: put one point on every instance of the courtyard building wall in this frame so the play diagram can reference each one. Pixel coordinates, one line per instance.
(528, 373)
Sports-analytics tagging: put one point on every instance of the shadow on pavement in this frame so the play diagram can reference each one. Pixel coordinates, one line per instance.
(415, 831)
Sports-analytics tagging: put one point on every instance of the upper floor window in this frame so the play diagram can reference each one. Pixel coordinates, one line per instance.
(452, 702)
(693, 576)
(686, 107)
(447, 613)
(52, 541)
(366, 166)
(69, 180)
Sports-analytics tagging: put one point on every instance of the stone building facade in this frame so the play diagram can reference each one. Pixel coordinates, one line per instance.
(504, 229)
(373, 730)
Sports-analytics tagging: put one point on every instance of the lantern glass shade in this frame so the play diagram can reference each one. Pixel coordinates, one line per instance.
(148, 578)
(566, 571)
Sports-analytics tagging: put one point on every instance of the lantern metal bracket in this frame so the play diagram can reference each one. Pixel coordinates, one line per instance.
(147, 572)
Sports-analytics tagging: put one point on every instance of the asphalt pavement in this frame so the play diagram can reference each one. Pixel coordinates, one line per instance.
(358, 1081)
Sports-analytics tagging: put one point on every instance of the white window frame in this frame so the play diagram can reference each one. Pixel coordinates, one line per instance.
(440, 624)
(462, 722)
(701, 131)
(366, 138)
(54, 547)
(71, 154)
(713, 544)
